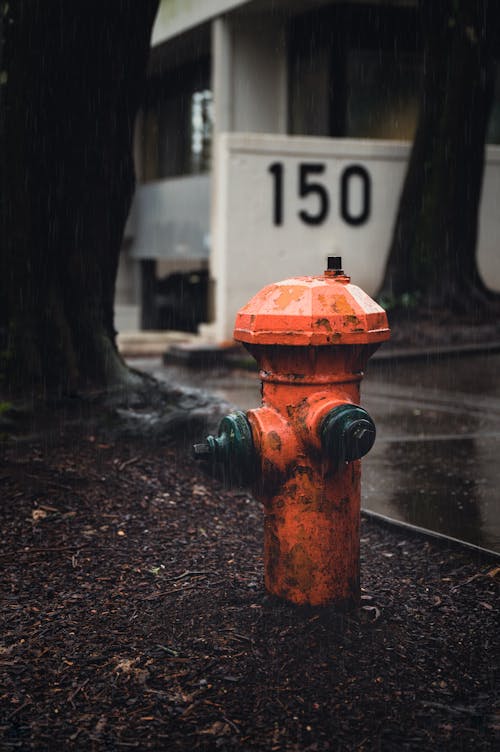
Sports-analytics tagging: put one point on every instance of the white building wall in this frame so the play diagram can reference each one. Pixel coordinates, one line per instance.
(488, 246)
(249, 74)
(259, 76)
(249, 83)
(251, 250)
(222, 62)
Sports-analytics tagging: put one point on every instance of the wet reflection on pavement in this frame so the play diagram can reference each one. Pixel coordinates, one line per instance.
(435, 463)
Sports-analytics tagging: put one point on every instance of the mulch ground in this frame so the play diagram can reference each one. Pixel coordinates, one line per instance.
(134, 616)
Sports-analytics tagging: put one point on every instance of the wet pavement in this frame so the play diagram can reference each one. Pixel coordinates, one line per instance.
(436, 461)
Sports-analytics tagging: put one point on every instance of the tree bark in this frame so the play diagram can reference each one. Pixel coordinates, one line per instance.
(74, 73)
(433, 249)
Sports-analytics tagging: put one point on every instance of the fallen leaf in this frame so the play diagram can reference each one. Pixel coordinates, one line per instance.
(199, 490)
(38, 514)
(126, 665)
(219, 728)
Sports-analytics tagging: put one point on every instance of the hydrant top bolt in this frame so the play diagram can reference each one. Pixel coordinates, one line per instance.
(335, 263)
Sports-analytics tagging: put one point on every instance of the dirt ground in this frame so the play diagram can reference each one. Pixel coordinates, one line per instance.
(134, 616)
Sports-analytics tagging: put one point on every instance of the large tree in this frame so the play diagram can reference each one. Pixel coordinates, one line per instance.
(72, 78)
(433, 250)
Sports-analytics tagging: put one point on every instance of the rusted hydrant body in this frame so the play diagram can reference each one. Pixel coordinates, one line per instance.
(311, 337)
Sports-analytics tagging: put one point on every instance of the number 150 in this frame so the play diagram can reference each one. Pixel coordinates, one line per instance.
(307, 186)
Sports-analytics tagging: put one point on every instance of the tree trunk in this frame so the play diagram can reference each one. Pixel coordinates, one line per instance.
(74, 72)
(433, 249)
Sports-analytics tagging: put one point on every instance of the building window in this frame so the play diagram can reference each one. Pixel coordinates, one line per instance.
(202, 119)
(382, 94)
(355, 72)
(493, 135)
(177, 123)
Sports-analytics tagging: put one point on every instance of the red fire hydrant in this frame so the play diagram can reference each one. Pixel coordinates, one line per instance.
(300, 451)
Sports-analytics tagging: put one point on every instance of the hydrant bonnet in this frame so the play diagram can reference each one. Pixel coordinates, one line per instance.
(323, 310)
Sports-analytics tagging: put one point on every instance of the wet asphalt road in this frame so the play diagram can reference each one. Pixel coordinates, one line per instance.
(436, 461)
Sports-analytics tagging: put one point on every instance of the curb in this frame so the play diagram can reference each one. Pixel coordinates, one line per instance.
(199, 355)
(435, 352)
(447, 540)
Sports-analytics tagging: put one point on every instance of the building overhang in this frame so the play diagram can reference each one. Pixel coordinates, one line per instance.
(177, 16)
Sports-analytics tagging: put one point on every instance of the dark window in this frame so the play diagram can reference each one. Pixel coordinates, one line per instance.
(177, 122)
(355, 72)
(493, 135)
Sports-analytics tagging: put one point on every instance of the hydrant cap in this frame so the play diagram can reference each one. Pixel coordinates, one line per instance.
(324, 310)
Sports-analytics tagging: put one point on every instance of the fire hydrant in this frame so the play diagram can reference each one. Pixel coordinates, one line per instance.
(300, 451)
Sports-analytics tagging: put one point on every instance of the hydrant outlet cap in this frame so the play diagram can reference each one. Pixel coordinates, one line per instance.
(334, 262)
(347, 433)
(323, 310)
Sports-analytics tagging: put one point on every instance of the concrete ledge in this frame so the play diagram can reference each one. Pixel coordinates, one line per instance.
(433, 352)
(207, 355)
(149, 343)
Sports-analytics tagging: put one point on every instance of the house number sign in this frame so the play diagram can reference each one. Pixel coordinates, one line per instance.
(315, 195)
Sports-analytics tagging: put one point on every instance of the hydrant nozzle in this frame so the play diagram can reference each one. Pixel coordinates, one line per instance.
(347, 433)
(232, 449)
